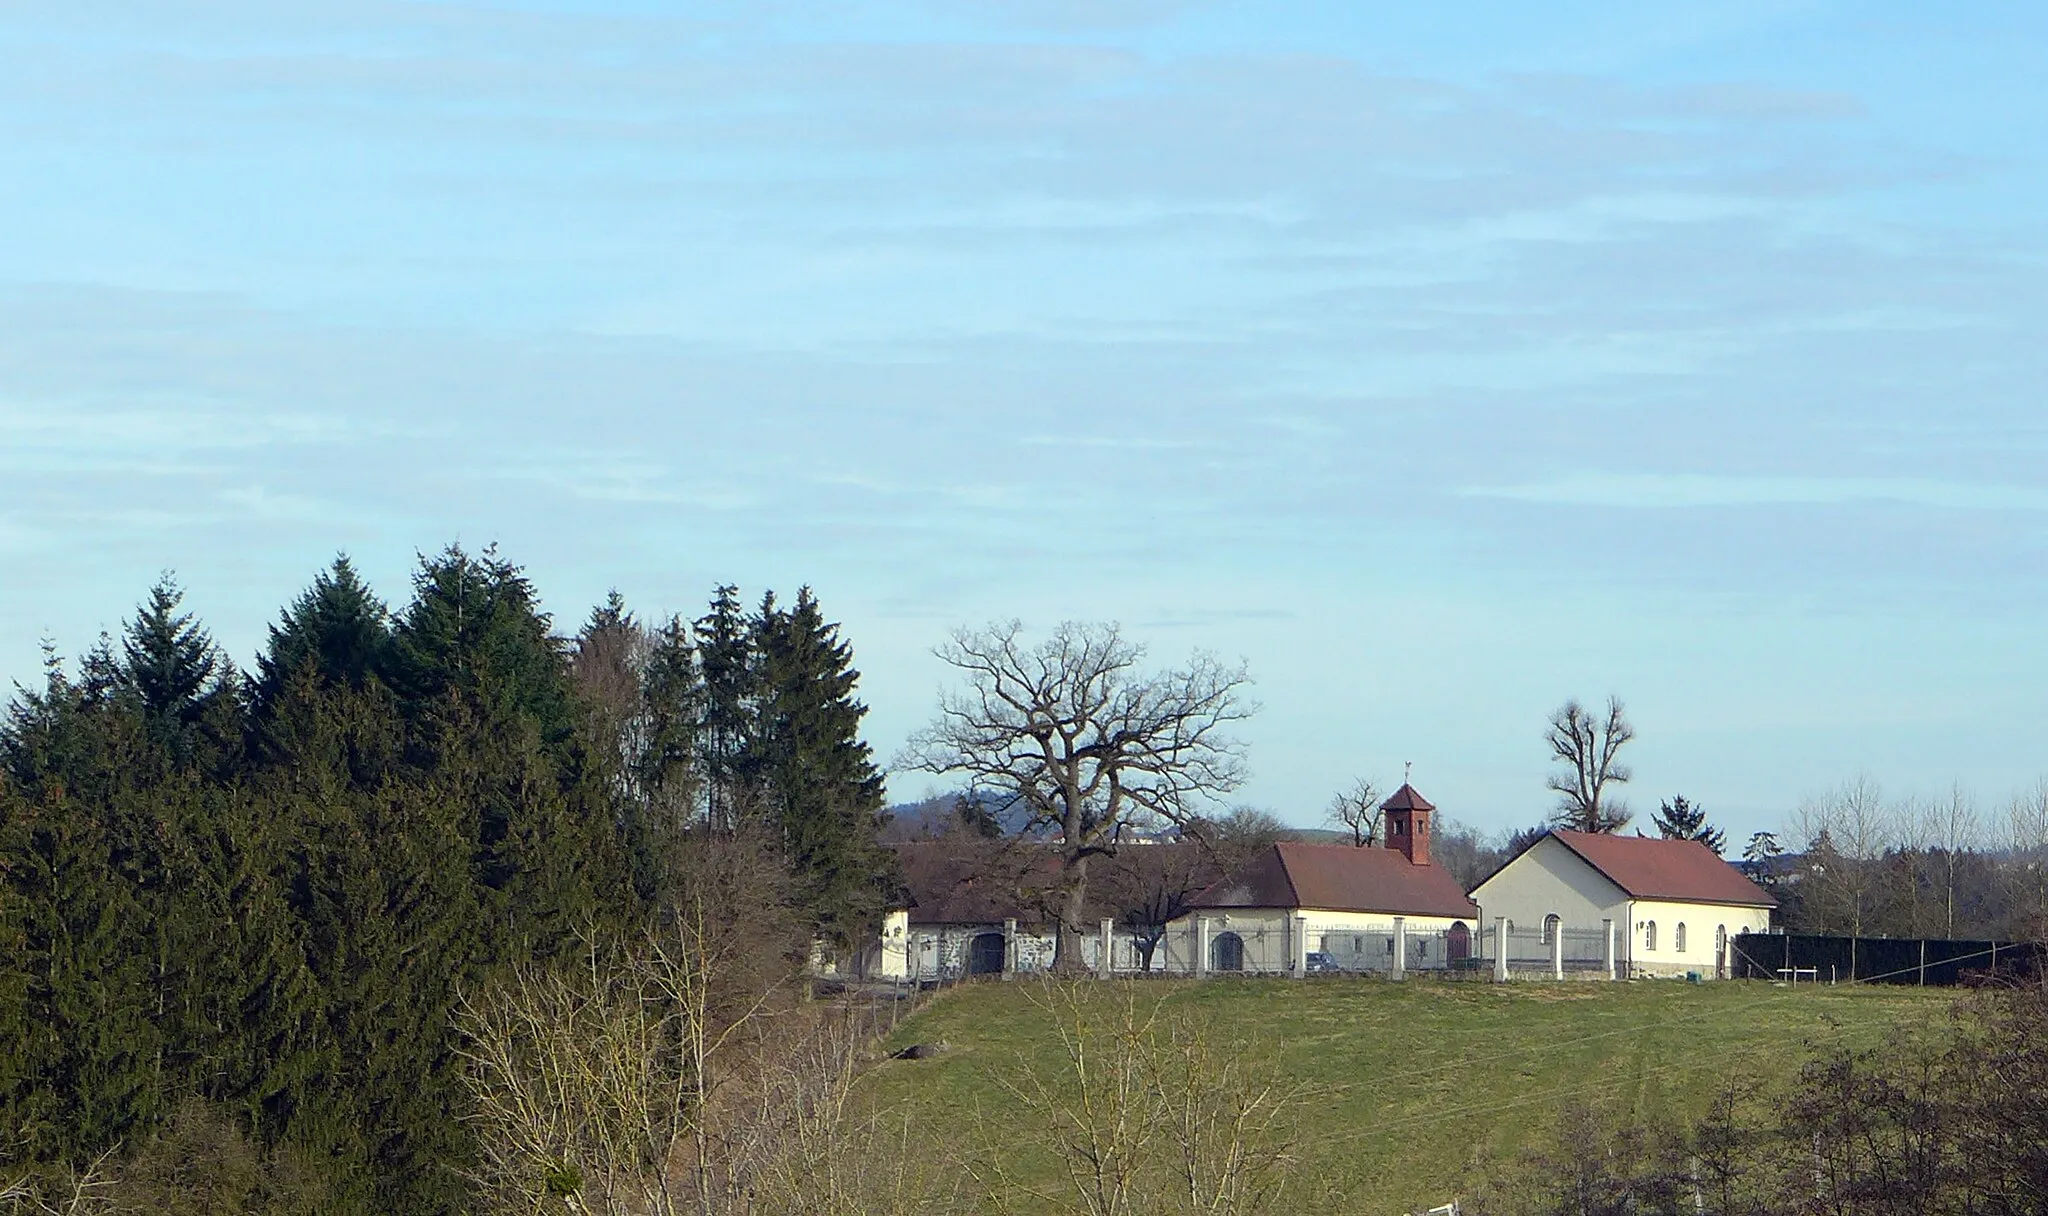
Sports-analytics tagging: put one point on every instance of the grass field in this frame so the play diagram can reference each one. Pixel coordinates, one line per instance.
(1415, 1087)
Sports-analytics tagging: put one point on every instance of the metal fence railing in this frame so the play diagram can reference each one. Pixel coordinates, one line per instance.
(944, 954)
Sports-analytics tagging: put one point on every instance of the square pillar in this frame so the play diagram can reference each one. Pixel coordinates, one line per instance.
(1105, 962)
(1557, 952)
(1500, 949)
(1400, 947)
(1201, 947)
(1010, 949)
(1298, 963)
(1607, 945)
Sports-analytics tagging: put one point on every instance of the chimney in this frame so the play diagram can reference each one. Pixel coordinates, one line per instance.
(1407, 824)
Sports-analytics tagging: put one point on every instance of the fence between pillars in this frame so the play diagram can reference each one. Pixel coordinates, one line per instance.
(1566, 949)
(1274, 948)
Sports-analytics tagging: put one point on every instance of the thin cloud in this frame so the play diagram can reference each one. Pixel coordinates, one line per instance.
(1659, 492)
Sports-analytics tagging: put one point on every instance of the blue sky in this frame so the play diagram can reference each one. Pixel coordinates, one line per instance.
(1443, 363)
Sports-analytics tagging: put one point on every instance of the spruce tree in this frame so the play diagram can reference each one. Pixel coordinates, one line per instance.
(1679, 819)
(475, 628)
(337, 627)
(825, 790)
(726, 736)
(81, 862)
(173, 669)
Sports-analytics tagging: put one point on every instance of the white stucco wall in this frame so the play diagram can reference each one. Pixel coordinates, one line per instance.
(1700, 921)
(893, 960)
(1551, 880)
(1359, 939)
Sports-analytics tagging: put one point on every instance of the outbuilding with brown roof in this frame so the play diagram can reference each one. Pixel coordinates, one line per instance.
(1313, 907)
(1673, 905)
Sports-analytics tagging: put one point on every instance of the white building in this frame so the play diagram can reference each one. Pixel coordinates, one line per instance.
(1675, 905)
(1298, 907)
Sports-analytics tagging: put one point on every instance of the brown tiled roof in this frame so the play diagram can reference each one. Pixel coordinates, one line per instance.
(1340, 878)
(1649, 868)
(971, 881)
(1406, 799)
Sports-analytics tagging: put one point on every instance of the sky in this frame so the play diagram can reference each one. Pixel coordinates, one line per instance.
(1441, 362)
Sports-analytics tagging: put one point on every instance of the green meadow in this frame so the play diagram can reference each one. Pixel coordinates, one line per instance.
(1407, 1092)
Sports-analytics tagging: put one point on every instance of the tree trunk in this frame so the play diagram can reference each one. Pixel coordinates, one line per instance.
(1073, 911)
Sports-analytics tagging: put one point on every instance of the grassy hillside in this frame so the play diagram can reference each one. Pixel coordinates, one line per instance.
(1415, 1087)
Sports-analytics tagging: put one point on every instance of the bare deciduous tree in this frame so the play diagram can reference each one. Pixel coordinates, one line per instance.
(1084, 740)
(1145, 1114)
(1951, 828)
(1357, 810)
(1847, 831)
(623, 1088)
(2026, 839)
(1588, 746)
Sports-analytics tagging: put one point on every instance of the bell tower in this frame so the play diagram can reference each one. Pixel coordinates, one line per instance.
(1407, 816)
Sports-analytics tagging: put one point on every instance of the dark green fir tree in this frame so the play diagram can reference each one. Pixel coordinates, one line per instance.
(730, 711)
(337, 628)
(821, 779)
(1680, 819)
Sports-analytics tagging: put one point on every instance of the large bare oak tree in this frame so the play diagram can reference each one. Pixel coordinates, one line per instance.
(1587, 747)
(1077, 733)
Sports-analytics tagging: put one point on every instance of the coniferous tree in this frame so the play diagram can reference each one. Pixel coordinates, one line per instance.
(1680, 819)
(826, 792)
(337, 627)
(475, 628)
(725, 736)
(83, 876)
(176, 673)
(1762, 853)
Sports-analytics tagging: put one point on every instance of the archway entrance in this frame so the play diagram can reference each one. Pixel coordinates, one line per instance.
(985, 954)
(1226, 953)
(1457, 943)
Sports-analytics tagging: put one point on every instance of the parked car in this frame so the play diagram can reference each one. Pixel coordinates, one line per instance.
(1320, 963)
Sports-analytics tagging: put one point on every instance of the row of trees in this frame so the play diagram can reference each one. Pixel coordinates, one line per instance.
(1870, 864)
(270, 891)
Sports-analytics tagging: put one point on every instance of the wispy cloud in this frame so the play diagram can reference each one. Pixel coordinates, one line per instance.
(1652, 491)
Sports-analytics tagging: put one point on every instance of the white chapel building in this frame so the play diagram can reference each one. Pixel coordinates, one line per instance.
(1675, 904)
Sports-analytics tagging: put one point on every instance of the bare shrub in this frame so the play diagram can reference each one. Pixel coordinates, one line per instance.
(1142, 1113)
(635, 1085)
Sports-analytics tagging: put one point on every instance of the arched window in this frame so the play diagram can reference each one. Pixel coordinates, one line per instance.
(1678, 938)
(1649, 935)
(1550, 924)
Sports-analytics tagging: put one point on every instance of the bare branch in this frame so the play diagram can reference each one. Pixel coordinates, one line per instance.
(1073, 730)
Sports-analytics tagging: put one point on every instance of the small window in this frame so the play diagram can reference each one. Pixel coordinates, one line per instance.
(1422, 948)
(1649, 935)
(1550, 924)
(1678, 938)
(1358, 943)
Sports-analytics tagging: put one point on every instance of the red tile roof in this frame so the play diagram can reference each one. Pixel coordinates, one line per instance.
(1340, 878)
(1649, 868)
(968, 880)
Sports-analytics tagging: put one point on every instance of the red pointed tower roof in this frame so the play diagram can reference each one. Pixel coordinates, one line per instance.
(1406, 799)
